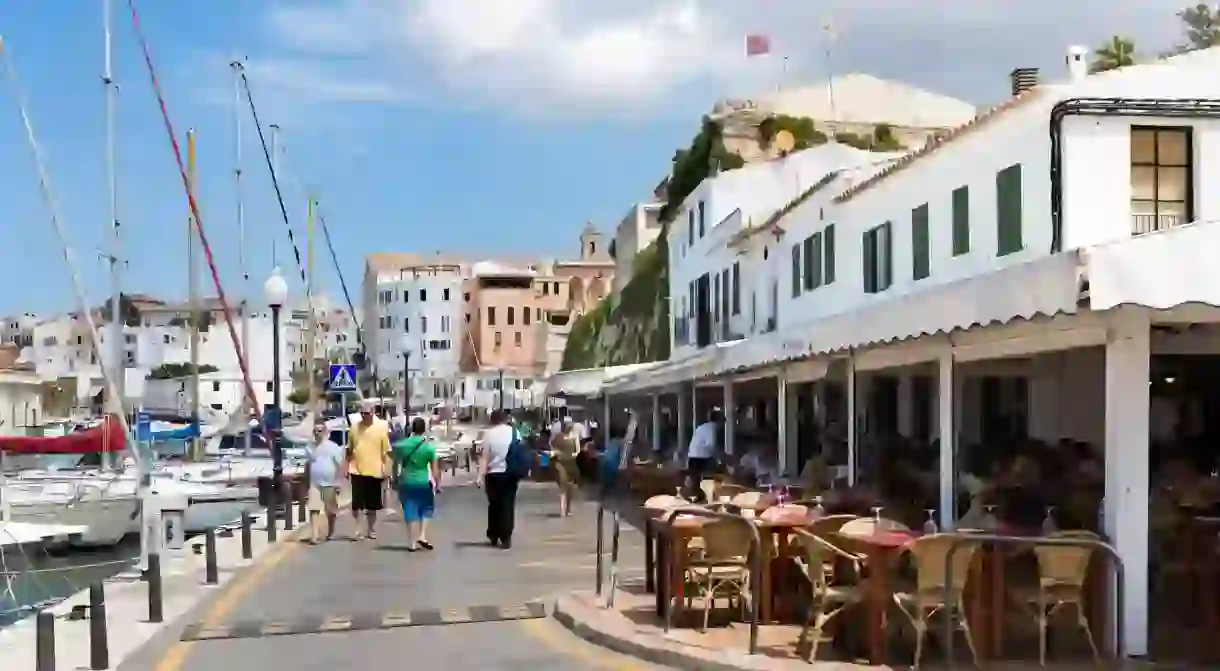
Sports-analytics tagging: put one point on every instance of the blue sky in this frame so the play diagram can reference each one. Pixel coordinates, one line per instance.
(482, 126)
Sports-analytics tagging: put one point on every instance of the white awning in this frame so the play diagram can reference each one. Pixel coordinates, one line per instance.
(591, 381)
(704, 363)
(1044, 287)
(1163, 270)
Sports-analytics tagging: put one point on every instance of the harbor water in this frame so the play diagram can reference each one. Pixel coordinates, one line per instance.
(42, 580)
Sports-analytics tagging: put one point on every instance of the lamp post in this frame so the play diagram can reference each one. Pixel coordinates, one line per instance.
(405, 343)
(276, 291)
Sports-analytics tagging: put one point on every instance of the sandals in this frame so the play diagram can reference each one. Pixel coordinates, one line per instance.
(424, 545)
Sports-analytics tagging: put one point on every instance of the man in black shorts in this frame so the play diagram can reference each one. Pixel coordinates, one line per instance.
(369, 459)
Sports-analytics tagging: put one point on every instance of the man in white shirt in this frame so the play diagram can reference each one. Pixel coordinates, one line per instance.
(701, 454)
(501, 486)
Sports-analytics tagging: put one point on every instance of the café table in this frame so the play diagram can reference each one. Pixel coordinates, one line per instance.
(881, 550)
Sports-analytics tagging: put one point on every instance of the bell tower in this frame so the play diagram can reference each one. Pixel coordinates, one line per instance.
(591, 247)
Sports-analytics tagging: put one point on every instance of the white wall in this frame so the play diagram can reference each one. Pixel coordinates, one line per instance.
(443, 319)
(20, 402)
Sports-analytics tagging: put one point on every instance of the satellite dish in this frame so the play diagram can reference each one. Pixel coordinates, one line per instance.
(783, 142)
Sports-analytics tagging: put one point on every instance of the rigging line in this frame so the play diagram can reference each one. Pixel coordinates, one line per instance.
(275, 182)
(342, 282)
(52, 204)
(242, 363)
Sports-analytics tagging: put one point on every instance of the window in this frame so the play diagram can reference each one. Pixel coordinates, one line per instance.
(796, 270)
(920, 262)
(406, 325)
(525, 316)
(716, 297)
(961, 220)
(423, 324)
(467, 317)
(878, 264)
(466, 296)
(270, 386)
(444, 324)
(702, 220)
(517, 338)
(809, 265)
(215, 386)
(538, 314)
(491, 316)
(690, 225)
(736, 288)
(828, 254)
(511, 315)
(405, 295)
(1008, 210)
(166, 339)
(444, 294)
(555, 288)
(546, 289)
(592, 247)
(499, 339)
(1161, 180)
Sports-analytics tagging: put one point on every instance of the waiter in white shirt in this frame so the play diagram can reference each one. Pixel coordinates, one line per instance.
(701, 454)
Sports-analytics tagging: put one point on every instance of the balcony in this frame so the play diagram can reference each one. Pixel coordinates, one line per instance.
(1151, 223)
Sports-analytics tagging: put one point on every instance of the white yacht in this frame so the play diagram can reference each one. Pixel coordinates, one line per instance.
(103, 510)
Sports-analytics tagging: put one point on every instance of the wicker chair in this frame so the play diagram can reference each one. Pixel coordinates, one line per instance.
(723, 569)
(930, 555)
(827, 599)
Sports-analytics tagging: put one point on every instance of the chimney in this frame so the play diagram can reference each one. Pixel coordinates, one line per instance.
(1077, 63)
(1023, 79)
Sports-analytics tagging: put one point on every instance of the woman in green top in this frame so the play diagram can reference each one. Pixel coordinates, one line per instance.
(418, 477)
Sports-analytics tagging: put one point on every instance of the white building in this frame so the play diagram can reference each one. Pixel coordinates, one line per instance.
(415, 321)
(638, 229)
(1045, 271)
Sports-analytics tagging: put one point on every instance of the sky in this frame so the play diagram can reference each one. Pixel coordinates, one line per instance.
(474, 126)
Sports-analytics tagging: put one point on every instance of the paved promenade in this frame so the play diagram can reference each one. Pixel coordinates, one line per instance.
(369, 604)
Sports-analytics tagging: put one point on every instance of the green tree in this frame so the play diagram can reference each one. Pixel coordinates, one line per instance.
(1117, 52)
(169, 371)
(1201, 24)
(298, 396)
(127, 310)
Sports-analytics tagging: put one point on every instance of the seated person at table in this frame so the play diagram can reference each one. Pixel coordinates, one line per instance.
(760, 465)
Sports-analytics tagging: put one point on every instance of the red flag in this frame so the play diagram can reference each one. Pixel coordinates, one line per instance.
(757, 45)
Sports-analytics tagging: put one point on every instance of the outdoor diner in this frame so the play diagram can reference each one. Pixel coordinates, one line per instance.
(833, 524)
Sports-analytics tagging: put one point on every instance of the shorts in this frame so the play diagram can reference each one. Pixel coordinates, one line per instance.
(418, 502)
(366, 493)
(323, 499)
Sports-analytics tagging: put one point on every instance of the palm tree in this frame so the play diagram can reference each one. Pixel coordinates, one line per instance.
(1116, 53)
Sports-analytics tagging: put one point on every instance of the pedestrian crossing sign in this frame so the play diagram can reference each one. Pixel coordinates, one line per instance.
(343, 377)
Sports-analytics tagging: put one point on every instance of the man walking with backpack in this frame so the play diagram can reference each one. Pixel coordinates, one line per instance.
(504, 462)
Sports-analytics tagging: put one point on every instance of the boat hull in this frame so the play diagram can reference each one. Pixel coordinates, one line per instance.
(106, 522)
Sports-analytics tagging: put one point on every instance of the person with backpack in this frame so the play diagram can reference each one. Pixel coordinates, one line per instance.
(504, 461)
(417, 477)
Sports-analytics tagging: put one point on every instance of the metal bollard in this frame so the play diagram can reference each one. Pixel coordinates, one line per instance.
(99, 644)
(247, 543)
(156, 603)
(302, 509)
(272, 522)
(44, 641)
(209, 557)
(287, 510)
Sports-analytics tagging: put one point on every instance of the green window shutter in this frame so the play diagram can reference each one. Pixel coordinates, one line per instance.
(736, 288)
(961, 220)
(815, 259)
(887, 245)
(828, 245)
(868, 245)
(796, 270)
(809, 263)
(1008, 210)
(920, 262)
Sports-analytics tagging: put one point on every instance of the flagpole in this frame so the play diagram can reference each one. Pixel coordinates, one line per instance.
(828, 32)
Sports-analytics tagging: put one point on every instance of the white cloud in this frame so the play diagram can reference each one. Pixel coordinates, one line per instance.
(592, 57)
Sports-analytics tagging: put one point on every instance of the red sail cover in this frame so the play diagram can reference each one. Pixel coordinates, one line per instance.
(105, 437)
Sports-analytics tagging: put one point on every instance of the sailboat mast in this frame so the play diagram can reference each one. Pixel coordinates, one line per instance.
(311, 343)
(275, 164)
(238, 68)
(118, 351)
(193, 294)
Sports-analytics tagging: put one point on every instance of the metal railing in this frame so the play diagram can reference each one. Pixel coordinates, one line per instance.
(1150, 223)
(963, 539)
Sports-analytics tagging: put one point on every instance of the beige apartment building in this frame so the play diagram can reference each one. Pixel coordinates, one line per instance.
(505, 316)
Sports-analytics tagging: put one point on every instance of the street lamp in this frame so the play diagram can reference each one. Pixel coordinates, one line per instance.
(405, 343)
(276, 291)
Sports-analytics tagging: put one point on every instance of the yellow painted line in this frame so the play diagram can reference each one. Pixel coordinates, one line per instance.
(231, 595)
(561, 641)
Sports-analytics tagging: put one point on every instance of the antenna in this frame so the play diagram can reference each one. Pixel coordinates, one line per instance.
(828, 31)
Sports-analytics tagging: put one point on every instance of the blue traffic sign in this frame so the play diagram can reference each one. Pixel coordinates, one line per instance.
(343, 377)
(143, 426)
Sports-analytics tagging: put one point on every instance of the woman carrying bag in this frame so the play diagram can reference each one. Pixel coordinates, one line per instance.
(418, 478)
